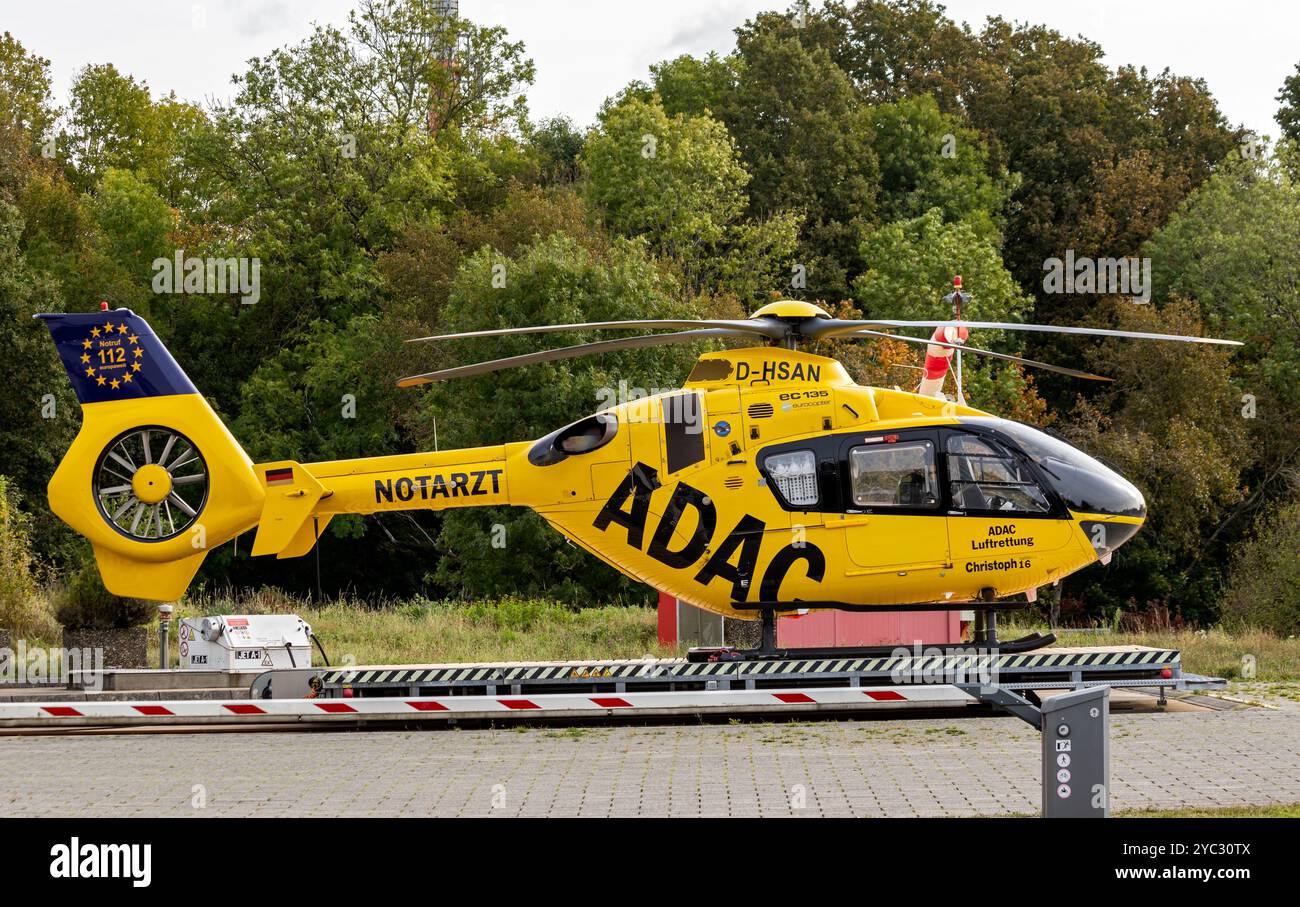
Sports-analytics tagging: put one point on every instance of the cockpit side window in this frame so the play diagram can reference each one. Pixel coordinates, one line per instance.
(894, 475)
(982, 476)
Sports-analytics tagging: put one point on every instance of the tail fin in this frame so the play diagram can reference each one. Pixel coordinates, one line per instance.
(154, 479)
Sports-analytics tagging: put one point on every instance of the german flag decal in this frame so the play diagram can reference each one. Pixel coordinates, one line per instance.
(280, 476)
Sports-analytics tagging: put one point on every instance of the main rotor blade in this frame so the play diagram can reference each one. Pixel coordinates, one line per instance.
(572, 352)
(764, 328)
(979, 352)
(836, 328)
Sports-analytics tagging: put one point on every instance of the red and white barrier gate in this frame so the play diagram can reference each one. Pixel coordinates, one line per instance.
(278, 711)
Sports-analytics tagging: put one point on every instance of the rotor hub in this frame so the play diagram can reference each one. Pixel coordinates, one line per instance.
(793, 309)
(151, 483)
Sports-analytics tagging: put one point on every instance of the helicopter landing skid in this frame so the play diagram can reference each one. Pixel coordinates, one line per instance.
(986, 641)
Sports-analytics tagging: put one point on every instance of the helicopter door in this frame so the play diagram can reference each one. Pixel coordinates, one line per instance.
(893, 516)
(1000, 515)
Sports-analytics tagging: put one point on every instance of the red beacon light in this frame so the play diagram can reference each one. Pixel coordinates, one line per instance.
(103, 306)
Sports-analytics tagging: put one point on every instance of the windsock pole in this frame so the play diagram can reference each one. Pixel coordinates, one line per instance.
(939, 358)
(956, 309)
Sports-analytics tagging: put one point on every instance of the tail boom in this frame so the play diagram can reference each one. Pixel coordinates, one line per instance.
(300, 500)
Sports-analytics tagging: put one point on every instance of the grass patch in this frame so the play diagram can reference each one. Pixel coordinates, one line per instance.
(420, 631)
(1276, 811)
(1215, 653)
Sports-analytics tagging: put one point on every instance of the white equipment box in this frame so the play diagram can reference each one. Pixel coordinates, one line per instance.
(245, 642)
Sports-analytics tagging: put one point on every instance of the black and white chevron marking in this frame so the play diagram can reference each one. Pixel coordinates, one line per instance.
(673, 670)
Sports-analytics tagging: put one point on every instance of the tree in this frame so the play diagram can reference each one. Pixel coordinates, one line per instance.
(112, 123)
(25, 100)
(1102, 157)
(693, 85)
(1229, 250)
(1171, 424)
(333, 147)
(929, 159)
(419, 269)
(330, 396)
(553, 281)
(807, 144)
(1264, 584)
(909, 266)
(134, 221)
(678, 182)
(24, 611)
(447, 71)
(38, 414)
(1288, 115)
(557, 145)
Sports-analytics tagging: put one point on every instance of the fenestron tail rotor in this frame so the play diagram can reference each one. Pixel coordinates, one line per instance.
(151, 483)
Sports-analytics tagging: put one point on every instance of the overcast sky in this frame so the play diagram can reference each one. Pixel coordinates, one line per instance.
(586, 50)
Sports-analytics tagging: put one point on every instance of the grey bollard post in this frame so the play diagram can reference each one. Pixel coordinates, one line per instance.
(1076, 754)
(164, 647)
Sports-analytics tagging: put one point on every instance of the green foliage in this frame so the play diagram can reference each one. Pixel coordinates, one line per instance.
(678, 182)
(134, 221)
(25, 100)
(419, 268)
(1227, 250)
(1230, 250)
(38, 413)
(24, 611)
(328, 396)
(908, 265)
(1288, 114)
(552, 281)
(557, 146)
(113, 123)
(807, 144)
(929, 159)
(1264, 583)
(84, 604)
(1103, 157)
(1171, 424)
(911, 263)
(692, 86)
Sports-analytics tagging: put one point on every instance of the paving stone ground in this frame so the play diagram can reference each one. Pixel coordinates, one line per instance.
(909, 767)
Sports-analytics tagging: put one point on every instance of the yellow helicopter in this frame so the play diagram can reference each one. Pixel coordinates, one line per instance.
(769, 482)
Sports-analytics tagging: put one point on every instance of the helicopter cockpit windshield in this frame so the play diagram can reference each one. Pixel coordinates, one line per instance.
(984, 476)
(1083, 482)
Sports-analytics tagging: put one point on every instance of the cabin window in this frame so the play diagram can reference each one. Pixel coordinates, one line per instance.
(901, 474)
(795, 476)
(683, 423)
(583, 436)
(983, 476)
